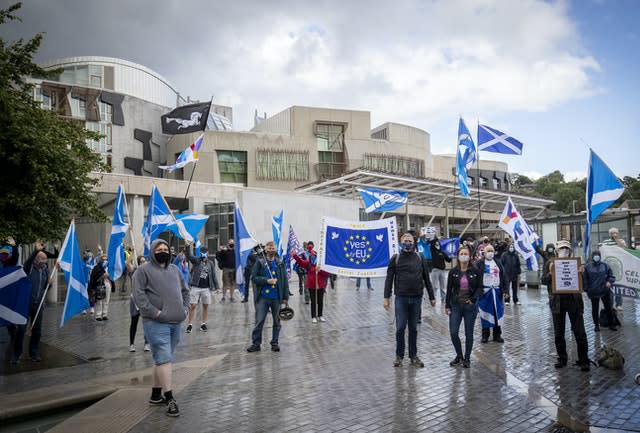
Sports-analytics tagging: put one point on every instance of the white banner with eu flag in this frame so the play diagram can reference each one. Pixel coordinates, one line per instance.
(357, 248)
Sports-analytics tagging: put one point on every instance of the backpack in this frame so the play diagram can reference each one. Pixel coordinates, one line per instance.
(610, 358)
(604, 320)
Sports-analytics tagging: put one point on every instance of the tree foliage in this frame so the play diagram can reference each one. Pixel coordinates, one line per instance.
(46, 163)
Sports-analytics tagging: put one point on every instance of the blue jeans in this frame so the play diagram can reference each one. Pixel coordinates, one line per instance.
(358, 282)
(262, 308)
(407, 313)
(468, 312)
(163, 339)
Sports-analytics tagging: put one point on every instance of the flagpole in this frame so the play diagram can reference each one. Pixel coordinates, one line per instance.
(478, 183)
(184, 200)
(44, 295)
(133, 242)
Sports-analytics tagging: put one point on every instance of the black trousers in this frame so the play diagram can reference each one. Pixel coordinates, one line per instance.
(317, 302)
(595, 309)
(567, 305)
(514, 289)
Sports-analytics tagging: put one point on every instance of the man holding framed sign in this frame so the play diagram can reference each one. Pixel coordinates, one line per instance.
(563, 277)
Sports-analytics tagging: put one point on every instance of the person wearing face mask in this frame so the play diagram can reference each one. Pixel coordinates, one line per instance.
(477, 255)
(202, 282)
(316, 282)
(162, 296)
(407, 275)
(598, 279)
(614, 239)
(511, 262)
(269, 274)
(561, 306)
(464, 288)
(100, 287)
(547, 254)
(495, 285)
(37, 271)
(438, 274)
(226, 258)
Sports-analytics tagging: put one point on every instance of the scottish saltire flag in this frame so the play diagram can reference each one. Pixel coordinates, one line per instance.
(74, 274)
(15, 295)
(523, 236)
(450, 246)
(115, 251)
(193, 224)
(293, 247)
(492, 140)
(603, 189)
(357, 248)
(159, 217)
(465, 157)
(244, 242)
(382, 200)
(190, 154)
(487, 304)
(277, 228)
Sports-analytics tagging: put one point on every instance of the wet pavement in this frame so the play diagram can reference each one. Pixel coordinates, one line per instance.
(337, 376)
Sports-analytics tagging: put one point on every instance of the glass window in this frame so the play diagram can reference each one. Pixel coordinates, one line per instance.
(394, 164)
(82, 75)
(282, 165)
(95, 75)
(330, 137)
(103, 145)
(106, 112)
(68, 75)
(232, 166)
(78, 107)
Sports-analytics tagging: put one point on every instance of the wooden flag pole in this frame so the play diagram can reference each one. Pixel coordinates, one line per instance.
(133, 242)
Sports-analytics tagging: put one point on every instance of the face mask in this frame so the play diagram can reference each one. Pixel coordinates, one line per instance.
(511, 249)
(105, 264)
(310, 247)
(489, 255)
(463, 259)
(204, 255)
(486, 241)
(563, 252)
(550, 250)
(407, 246)
(40, 265)
(162, 257)
(596, 259)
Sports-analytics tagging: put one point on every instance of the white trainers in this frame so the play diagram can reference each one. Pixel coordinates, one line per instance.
(147, 348)
(322, 319)
(132, 348)
(314, 320)
(518, 303)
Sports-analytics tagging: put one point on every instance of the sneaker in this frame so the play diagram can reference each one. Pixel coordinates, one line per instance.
(585, 367)
(456, 361)
(189, 328)
(147, 348)
(98, 319)
(498, 339)
(397, 362)
(612, 328)
(275, 348)
(203, 327)
(416, 362)
(172, 408)
(156, 400)
(562, 363)
(84, 312)
(35, 358)
(105, 318)
(223, 300)
(245, 299)
(357, 288)
(619, 308)
(371, 288)
(306, 302)
(506, 303)
(484, 340)
(466, 363)
(322, 319)
(232, 299)
(92, 311)
(132, 348)
(314, 320)
(253, 348)
(518, 303)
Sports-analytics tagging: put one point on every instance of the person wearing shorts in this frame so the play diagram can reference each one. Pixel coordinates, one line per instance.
(162, 296)
(202, 282)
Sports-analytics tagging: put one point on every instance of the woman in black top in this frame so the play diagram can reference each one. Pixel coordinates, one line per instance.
(464, 287)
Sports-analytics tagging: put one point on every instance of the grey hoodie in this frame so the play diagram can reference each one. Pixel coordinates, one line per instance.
(156, 288)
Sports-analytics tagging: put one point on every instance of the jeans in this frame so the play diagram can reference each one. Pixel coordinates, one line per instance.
(468, 313)
(163, 339)
(262, 308)
(439, 282)
(358, 282)
(407, 309)
(17, 333)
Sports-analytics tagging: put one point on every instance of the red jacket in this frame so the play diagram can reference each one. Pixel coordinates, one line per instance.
(323, 276)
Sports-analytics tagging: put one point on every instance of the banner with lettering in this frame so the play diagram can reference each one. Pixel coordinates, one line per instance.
(357, 248)
(625, 265)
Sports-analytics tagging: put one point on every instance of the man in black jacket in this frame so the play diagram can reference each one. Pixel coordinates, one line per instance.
(408, 274)
(226, 258)
(511, 263)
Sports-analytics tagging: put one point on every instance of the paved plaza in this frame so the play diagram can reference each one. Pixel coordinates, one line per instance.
(333, 376)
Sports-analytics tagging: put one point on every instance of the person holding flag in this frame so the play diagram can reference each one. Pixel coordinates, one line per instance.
(495, 285)
(316, 282)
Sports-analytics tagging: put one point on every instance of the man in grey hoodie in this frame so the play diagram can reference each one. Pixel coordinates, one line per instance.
(162, 296)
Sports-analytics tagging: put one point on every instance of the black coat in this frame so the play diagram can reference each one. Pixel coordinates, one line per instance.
(409, 276)
(511, 263)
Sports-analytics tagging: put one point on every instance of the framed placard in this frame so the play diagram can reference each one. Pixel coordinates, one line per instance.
(566, 276)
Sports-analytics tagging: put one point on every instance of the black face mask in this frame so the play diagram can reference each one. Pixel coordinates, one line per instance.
(163, 257)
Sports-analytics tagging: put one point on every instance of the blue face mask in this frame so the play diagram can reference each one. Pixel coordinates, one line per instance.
(105, 264)
(596, 259)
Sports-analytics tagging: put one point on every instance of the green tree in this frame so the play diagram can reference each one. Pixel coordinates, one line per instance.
(46, 164)
(631, 189)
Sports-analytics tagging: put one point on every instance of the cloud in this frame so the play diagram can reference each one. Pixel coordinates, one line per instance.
(408, 61)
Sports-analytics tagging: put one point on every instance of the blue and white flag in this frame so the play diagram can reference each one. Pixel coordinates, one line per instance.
(358, 248)
(277, 228)
(382, 200)
(159, 217)
(15, 295)
(450, 246)
(523, 236)
(193, 224)
(603, 189)
(115, 251)
(465, 157)
(492, 140)
(244, 242)
(74, 273)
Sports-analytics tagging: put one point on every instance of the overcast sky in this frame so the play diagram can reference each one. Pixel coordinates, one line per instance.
(560, 76)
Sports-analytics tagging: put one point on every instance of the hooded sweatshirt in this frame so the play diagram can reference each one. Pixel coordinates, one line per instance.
(159, 288)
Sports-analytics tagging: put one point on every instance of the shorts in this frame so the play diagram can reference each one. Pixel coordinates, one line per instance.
(197, 294)
(229, 278)
(163, 339)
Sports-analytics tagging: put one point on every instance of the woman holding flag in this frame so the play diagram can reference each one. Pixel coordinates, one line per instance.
(316, 282)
